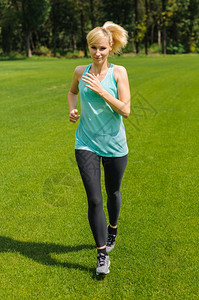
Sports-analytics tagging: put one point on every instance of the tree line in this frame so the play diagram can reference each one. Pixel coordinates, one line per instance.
(58, 27)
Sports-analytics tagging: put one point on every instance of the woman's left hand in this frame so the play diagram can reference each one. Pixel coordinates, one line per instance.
(93, 83)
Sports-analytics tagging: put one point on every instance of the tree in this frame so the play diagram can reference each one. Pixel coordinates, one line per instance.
(9, 24)
(154, 35)
(55, 22)
(182, 15)
(140, 23)
(164, 49)
(92, 15)
(147, 24)
(62, 25)
(84, 16)
(33, 15)
(64, 31)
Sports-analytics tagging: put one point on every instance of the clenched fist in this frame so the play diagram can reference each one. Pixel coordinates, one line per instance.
(73, 116)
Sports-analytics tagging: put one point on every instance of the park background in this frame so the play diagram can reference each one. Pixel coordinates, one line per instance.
(46, 246)
(59, 27)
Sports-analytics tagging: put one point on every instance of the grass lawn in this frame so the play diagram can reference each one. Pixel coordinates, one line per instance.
(46, 247)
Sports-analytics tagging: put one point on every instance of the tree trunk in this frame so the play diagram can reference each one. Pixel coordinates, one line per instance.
(28, 49)
(159, 37)
(84, 42)
(137, 44)
(152, 33)
(159, 33)
(132, 43)
(55, 6)
(164, 50)
(6, 39)
(146, 34)
(54, 42)
(92, 16)
(74, 45)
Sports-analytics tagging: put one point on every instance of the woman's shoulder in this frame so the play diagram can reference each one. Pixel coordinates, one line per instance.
(119, 71)
(118, 68)
(79, 70)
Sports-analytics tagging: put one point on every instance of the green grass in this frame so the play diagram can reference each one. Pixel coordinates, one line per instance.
(46, 247)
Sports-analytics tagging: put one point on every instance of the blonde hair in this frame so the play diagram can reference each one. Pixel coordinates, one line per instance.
(116, 35)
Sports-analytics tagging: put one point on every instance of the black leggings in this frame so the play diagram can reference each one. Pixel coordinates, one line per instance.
(89, 167)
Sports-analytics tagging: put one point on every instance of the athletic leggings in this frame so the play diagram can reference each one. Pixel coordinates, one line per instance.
(89, 167)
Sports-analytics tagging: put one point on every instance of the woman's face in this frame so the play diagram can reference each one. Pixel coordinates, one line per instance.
(100, 50)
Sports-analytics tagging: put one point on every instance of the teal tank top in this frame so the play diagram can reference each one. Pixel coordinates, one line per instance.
(101, 129)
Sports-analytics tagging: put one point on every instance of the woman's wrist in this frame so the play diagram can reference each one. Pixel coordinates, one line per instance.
(103, 93)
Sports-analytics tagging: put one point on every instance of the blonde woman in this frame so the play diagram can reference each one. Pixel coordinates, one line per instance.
(105, 99)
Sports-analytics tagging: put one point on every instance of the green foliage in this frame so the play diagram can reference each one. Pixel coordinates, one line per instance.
(42, 51)
(196, 29)
(10, 27)
(175, 48)
(63, 24)
(128, 48)
(155, 48)
(182, 17)
(34, 13)
(141, 29)
(120, 12)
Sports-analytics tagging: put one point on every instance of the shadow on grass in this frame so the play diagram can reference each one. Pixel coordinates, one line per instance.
(41, 252)
(12, 58)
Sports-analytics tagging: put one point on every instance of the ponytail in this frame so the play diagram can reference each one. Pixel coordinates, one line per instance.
(116, 35)
(119, 36)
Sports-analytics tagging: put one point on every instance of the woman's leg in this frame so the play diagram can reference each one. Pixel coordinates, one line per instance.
(89, 167)
(114, 168)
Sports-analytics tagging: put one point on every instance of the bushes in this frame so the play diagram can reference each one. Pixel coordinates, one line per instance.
(42, 51)
(155, 48)
(173, 48)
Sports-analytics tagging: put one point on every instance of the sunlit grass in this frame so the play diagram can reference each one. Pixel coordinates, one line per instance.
(47, 250)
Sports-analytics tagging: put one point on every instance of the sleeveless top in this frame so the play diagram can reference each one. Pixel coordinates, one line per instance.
(101, 129)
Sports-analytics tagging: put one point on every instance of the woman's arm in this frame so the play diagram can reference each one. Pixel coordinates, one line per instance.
(121, 105)
(73, 94)
(72, 102)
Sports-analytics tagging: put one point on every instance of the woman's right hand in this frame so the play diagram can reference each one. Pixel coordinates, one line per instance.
(73, 116)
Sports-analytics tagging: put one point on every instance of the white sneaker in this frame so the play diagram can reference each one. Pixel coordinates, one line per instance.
(103, 263)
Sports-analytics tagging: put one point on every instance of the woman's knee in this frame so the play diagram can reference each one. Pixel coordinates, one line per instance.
(94, 202)
(114, 196)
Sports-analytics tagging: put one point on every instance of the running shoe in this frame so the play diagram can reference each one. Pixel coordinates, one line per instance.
(103, 263)
(110, 244)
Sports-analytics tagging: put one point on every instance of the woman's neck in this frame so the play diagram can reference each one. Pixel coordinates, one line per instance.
(99, 69)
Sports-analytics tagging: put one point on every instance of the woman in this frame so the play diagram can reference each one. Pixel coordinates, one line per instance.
(105, 99)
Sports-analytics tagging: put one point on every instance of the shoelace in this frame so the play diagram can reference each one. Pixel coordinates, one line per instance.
(111, 239)
(101, 259)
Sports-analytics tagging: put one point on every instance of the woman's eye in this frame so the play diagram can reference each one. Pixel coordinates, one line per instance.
(100, 49)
